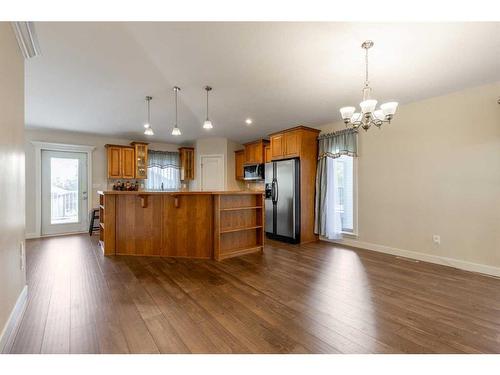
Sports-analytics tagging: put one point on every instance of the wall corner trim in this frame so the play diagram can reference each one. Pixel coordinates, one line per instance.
(9, 331)
(436, 259)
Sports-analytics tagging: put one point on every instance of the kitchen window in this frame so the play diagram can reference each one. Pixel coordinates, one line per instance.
(163, 171)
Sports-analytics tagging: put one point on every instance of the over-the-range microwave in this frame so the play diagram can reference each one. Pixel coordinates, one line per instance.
(253, 172)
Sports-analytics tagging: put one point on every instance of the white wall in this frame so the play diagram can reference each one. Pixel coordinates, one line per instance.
(434, 170)
(99, 162)
(12, 277)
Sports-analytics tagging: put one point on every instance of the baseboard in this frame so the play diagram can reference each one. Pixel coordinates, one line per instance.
(8, 334)
(451, 262)
(30, 236)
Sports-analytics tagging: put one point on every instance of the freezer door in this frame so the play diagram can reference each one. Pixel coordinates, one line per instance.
(285, 197)
(268, 173)
(268, 202)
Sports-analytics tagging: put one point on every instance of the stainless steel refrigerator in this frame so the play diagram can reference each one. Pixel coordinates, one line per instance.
(282, 200)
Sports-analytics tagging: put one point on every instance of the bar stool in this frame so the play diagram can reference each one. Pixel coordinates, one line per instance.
(94, 214)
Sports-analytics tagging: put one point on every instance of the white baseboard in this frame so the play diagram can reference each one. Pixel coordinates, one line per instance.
(451, 262)
(29, 236)
(12, 324)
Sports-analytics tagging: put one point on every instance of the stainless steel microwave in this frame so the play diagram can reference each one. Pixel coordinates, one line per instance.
(253, 172)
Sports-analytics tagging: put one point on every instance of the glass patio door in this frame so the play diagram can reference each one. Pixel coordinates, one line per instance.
(64, 192)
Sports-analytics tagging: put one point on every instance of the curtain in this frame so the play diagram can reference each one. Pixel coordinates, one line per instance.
(163, 168)
(327, 221)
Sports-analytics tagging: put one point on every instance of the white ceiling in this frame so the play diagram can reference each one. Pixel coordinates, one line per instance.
(93, 77)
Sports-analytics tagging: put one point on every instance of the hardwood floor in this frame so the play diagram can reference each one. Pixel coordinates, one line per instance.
(313, 298)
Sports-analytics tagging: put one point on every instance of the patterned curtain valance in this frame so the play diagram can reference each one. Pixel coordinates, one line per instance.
(343, 142)
(163, 159)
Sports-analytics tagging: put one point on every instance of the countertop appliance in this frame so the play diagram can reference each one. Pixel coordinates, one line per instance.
(253, 172)
(282, 200)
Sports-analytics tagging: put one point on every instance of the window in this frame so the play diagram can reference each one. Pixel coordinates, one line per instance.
(341, 191)
(163, 171)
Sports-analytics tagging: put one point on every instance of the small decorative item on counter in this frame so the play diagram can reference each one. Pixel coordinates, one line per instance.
(127, 186)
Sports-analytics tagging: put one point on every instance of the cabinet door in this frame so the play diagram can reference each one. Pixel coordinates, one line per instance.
(239, 159)
(114, 162)
(277, 146)
(292, 143)
(128, 162)
(267, 153)
(249, 154)
(141, 161)
(186, 156)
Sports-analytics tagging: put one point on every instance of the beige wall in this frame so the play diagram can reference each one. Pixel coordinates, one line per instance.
(217, 146)
(434, 170)
(99, 162)
(12, 277)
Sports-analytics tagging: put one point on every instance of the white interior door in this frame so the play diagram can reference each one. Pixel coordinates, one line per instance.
(212, 172)
(64, 192)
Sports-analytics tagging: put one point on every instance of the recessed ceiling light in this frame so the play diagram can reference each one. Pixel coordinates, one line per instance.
(248, 121)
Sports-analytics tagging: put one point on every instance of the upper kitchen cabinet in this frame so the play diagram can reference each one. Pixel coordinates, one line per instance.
(292, 142)
(239, 160)
(121, 161)
(141, 159)
(186, 156)
(255, 152)
(267, 154)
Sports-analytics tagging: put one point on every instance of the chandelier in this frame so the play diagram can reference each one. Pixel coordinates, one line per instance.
(369, 115)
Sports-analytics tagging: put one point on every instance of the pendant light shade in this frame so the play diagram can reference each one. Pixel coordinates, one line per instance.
(176, 131)
(148, 130)
(207, 124)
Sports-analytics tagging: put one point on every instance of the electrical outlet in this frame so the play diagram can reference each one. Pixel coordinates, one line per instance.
(22, 255)
(436, 239)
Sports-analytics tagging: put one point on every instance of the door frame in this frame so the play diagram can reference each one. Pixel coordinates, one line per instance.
(39, 146)
(222, 156)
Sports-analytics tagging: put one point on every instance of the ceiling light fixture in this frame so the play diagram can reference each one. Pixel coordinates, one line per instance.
(148, 130)
(368, 115)
(176, 130)
(248, 121)
(207, 124)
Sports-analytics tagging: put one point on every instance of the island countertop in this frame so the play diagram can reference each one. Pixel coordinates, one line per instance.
(192, 224)
(180, 192)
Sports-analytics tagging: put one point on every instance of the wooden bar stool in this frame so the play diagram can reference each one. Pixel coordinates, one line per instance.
(94, 214)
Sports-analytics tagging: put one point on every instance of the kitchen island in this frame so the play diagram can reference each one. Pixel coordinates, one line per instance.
(189, 224)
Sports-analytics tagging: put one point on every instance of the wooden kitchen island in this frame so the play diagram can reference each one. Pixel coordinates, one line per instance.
(206, 225)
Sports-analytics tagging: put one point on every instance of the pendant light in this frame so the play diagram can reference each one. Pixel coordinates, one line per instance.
(148, 130)
(176, 130)
(207, 124)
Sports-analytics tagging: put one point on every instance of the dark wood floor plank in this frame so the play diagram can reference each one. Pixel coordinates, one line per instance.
(312, 298)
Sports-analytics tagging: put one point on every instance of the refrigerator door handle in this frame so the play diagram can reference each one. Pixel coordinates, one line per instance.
(277, 190)
(273, 191)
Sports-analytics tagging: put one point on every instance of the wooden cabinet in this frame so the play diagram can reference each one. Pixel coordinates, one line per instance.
(114, 161)
(277, 146)
(141, 159)
(186, 156)
(267, 154)
(128, 161)
(286, 144)
(239, 160)
(121, 161)
(255, 152)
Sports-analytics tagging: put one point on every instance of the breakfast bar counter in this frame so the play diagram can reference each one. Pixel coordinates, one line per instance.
(190, 224)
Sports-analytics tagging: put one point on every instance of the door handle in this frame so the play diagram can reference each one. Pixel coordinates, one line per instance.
(84, 195)
(277, 191)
